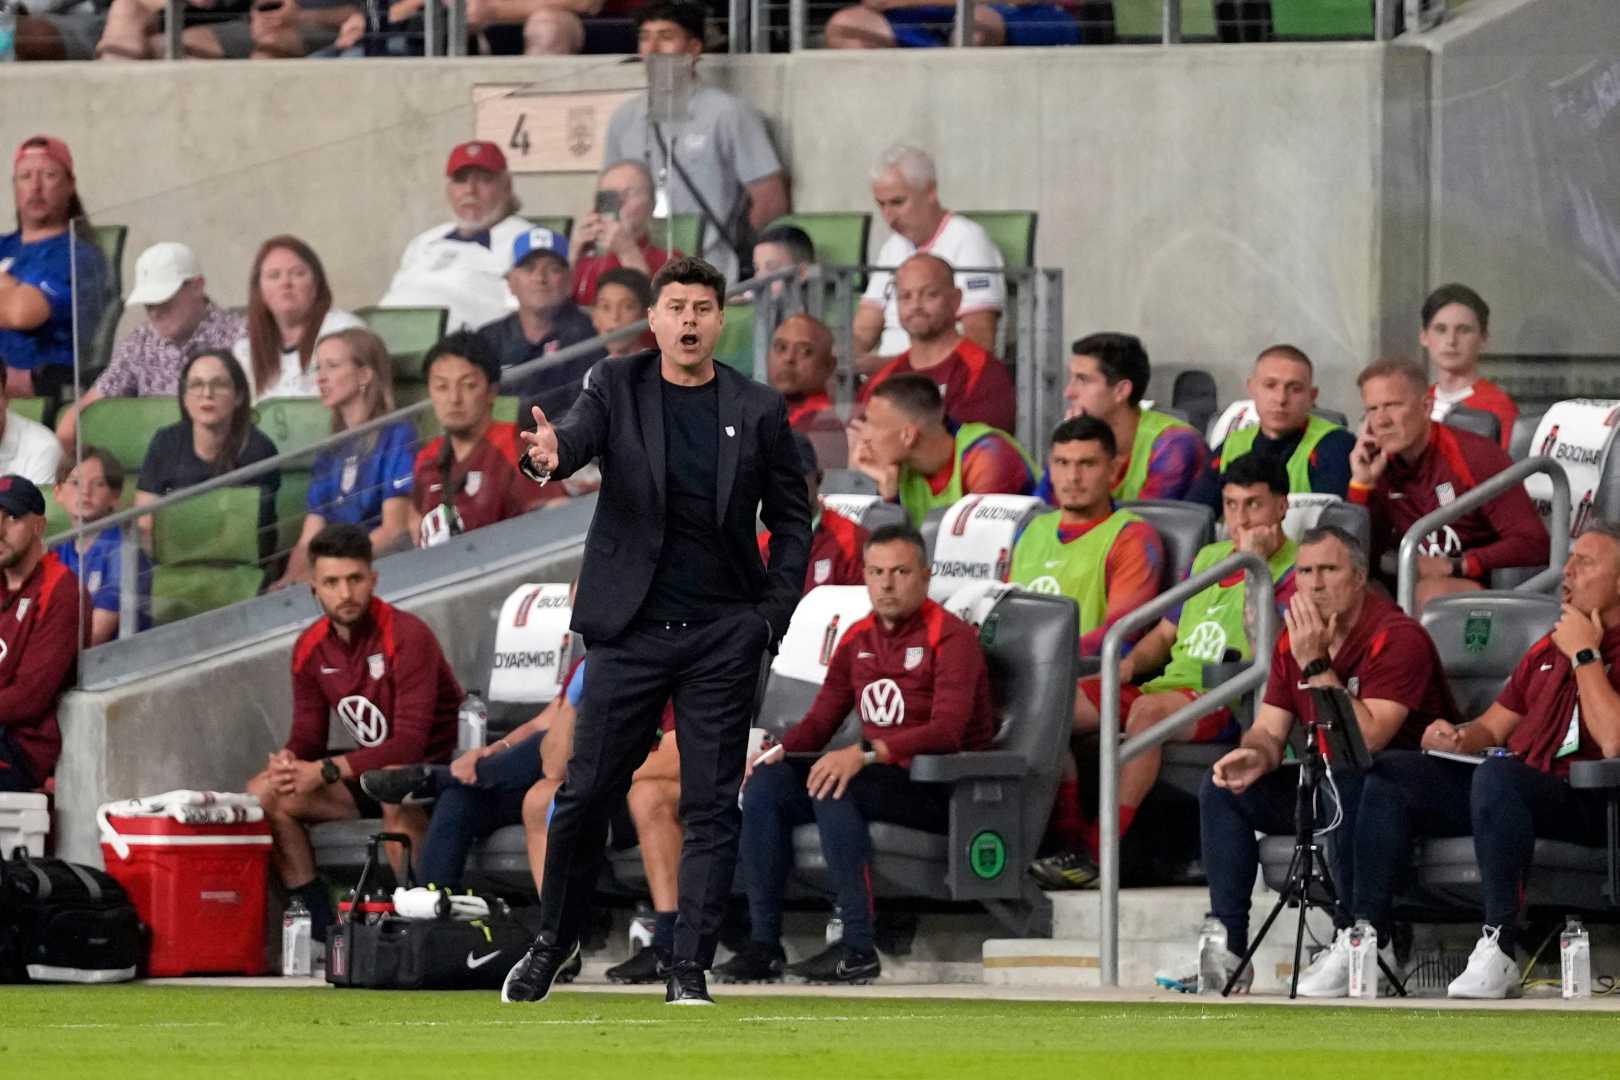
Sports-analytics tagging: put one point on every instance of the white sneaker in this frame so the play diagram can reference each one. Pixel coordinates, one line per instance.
(1490, 974)
(1328, 975)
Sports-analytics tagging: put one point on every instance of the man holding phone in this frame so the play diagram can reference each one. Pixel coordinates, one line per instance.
(615, 232)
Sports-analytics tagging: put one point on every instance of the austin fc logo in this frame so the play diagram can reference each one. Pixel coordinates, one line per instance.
(364, 720)
(882, 704)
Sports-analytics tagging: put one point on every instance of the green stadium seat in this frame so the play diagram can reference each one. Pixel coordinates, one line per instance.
(179, 592)
(57, 520)
(686, 236)
(109, 239)
(409, 333)
(221, 526)
(124, 426)
(292, 503)
(561, 224)
(840, 238)
(31, 407)
(1321, 19)
(1012, 231)
(294, 423)
(505, 410)
(736, 345)
(427, 427)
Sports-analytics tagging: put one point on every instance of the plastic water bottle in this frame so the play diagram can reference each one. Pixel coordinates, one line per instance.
(8, 30)
(297, 952)
(1363, 960)
(835, 930)
(1575, 954)
(472, 727)
(641, 931)
(1211, 956)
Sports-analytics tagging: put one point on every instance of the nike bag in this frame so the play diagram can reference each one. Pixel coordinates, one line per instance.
(61, 922)
(373, 948)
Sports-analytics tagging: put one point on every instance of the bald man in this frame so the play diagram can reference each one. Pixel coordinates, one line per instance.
(800, 366)
(607, 241)
(976, 385)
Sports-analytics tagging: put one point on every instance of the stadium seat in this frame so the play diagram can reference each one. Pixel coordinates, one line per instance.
(847, 482)
(294, 423)
(1000, 798)
(109, 240)
(840, 238)
(179, 592)
(1477, 421)
(408, 333)
(1580, 435)
(562, 224)
(1524, 430)
(505, 410)
(1318, 20)
(683, 232)
(57, 520)
(1184, 527)
(1143, 20)
(1332, 416)
(975, 539)
(124, 426)
(292, 503)
(31, 407)
(867, 511)
(736, 345)
(930, 527)
(1195, 394)
(221, 526)
(1350, 517)
(1012, 231)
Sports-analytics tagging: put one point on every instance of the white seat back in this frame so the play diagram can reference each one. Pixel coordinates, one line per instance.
(1579, 435)
(976, 538)
(1239, 414)
(819, 623)
(532, 643)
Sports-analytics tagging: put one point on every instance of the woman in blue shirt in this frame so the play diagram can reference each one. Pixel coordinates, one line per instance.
(367, 480)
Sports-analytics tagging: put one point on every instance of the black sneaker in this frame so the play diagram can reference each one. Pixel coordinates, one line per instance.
(686, 985)
(755, 963)
(650, 964)
(1065, 870)
(839, 963)
(531, 977)
(570, 971)
(409, 784)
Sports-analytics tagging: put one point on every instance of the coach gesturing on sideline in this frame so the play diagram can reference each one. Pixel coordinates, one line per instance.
(674, 602)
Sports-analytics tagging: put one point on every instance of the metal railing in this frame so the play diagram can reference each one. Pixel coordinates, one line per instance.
(1257, 583)
(1473, 499)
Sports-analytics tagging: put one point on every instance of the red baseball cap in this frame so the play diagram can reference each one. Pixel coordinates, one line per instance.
(477, 154)
(51, 147)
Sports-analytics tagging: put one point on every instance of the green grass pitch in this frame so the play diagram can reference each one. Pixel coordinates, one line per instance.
(120, 1033)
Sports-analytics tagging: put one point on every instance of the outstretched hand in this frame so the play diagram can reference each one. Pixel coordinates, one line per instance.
(541, 443)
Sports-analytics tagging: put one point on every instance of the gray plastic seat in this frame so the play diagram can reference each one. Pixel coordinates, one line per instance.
(847, 482)
(930, 527)
(1524, 432)
(1000, 798)
(870, 512)
(1332, 416)
(1477, 421)
(1482, 636)
(1184, 527)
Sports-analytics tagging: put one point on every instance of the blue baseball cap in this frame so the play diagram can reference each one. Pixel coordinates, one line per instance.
(19, 497)
(539, 241)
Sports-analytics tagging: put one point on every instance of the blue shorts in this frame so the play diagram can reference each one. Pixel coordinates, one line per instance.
(1027, 24)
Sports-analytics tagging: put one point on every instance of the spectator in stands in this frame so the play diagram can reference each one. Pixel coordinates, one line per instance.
(1339, 633)
(836, 542)
(916, 455)
(1406, 466)
(976, 385)
(39, 638)
(546, 319)
(616, 233)
(180, 320)
(1162, 457)
(622, 299)
(45, 274)
(461, 265)
(91, 492)
(289, 309)
(1315, 452)
(1209, 628)
(67, 34)
(468, 477)
(780, 247)
(260, 30)
(498, 27)
(724, 166)
(920, 24)
(366, 481)
(1456, 326)
(27, 448)
(905, 186)
(381, 670)
(938, 704)
(215, 435)
(801, 365)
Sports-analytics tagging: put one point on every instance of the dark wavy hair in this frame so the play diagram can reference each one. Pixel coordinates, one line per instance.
(241, 416)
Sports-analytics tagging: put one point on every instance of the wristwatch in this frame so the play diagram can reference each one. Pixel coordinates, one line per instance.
(1585, 656)
(1320, 666)
(330, 773)
(1458, 567)
(868, 752)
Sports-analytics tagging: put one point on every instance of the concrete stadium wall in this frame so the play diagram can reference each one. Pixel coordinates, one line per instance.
(1212, 198)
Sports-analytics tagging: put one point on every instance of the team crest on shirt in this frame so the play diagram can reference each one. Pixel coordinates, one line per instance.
(93, 583)
(475, 480)
(364, 720)
(1445, 493)
(22, 608)
(374, 664)
(351, 474)
(1353, 684)
(914, 655)
(821, 571)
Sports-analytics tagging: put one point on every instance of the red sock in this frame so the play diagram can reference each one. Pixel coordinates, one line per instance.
(1090, 836)
(1068, 824)
(1127, 814)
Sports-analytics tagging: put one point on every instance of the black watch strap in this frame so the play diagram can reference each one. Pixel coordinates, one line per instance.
(1585, 656)
(1320, 666)
(330, 773)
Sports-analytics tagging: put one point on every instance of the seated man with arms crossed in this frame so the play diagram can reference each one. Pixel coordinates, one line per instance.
(925, 461)
(1203, 631)
(381, 670)
(917, 676)
(1339, 633)
(1561, 705)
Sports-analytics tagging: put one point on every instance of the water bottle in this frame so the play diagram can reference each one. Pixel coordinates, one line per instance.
(1575, 953)
(641, 931)
(8, 30)
(297, 952)
(835, 930)
(1212, 956)
(1363, 960)
(472, 723)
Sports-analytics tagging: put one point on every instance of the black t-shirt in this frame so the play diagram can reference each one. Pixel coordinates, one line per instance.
(695, 579)
(172, 463)
(556, 385)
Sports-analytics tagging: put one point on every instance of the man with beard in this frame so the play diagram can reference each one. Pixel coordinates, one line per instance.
(382, 671)
(461, 265)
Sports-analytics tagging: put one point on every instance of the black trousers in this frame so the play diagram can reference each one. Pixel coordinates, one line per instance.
(15, 774)
(710, 670)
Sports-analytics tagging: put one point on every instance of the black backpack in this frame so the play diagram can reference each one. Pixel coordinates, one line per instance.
(62, 922)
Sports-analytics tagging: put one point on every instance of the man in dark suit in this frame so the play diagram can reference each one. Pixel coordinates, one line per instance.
(674, 603)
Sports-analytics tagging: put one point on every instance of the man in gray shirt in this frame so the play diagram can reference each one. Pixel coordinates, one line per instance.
(722, 147)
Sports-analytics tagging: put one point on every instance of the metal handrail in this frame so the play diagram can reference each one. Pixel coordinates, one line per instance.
(1257, 576)
(1472, 499)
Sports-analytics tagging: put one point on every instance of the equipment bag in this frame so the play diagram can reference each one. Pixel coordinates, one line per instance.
(374, 949)
(62, 922)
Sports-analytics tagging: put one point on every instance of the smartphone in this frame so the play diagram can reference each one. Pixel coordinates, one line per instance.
(607, 204)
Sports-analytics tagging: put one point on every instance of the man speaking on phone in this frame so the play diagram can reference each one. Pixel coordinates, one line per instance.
(674, 603)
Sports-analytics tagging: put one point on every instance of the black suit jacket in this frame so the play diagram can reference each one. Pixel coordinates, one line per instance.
(619, 419)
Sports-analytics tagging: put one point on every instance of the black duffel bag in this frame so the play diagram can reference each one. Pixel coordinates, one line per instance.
(62, 922)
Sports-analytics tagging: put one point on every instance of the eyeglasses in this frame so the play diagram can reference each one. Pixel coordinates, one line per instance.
(210, 387)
